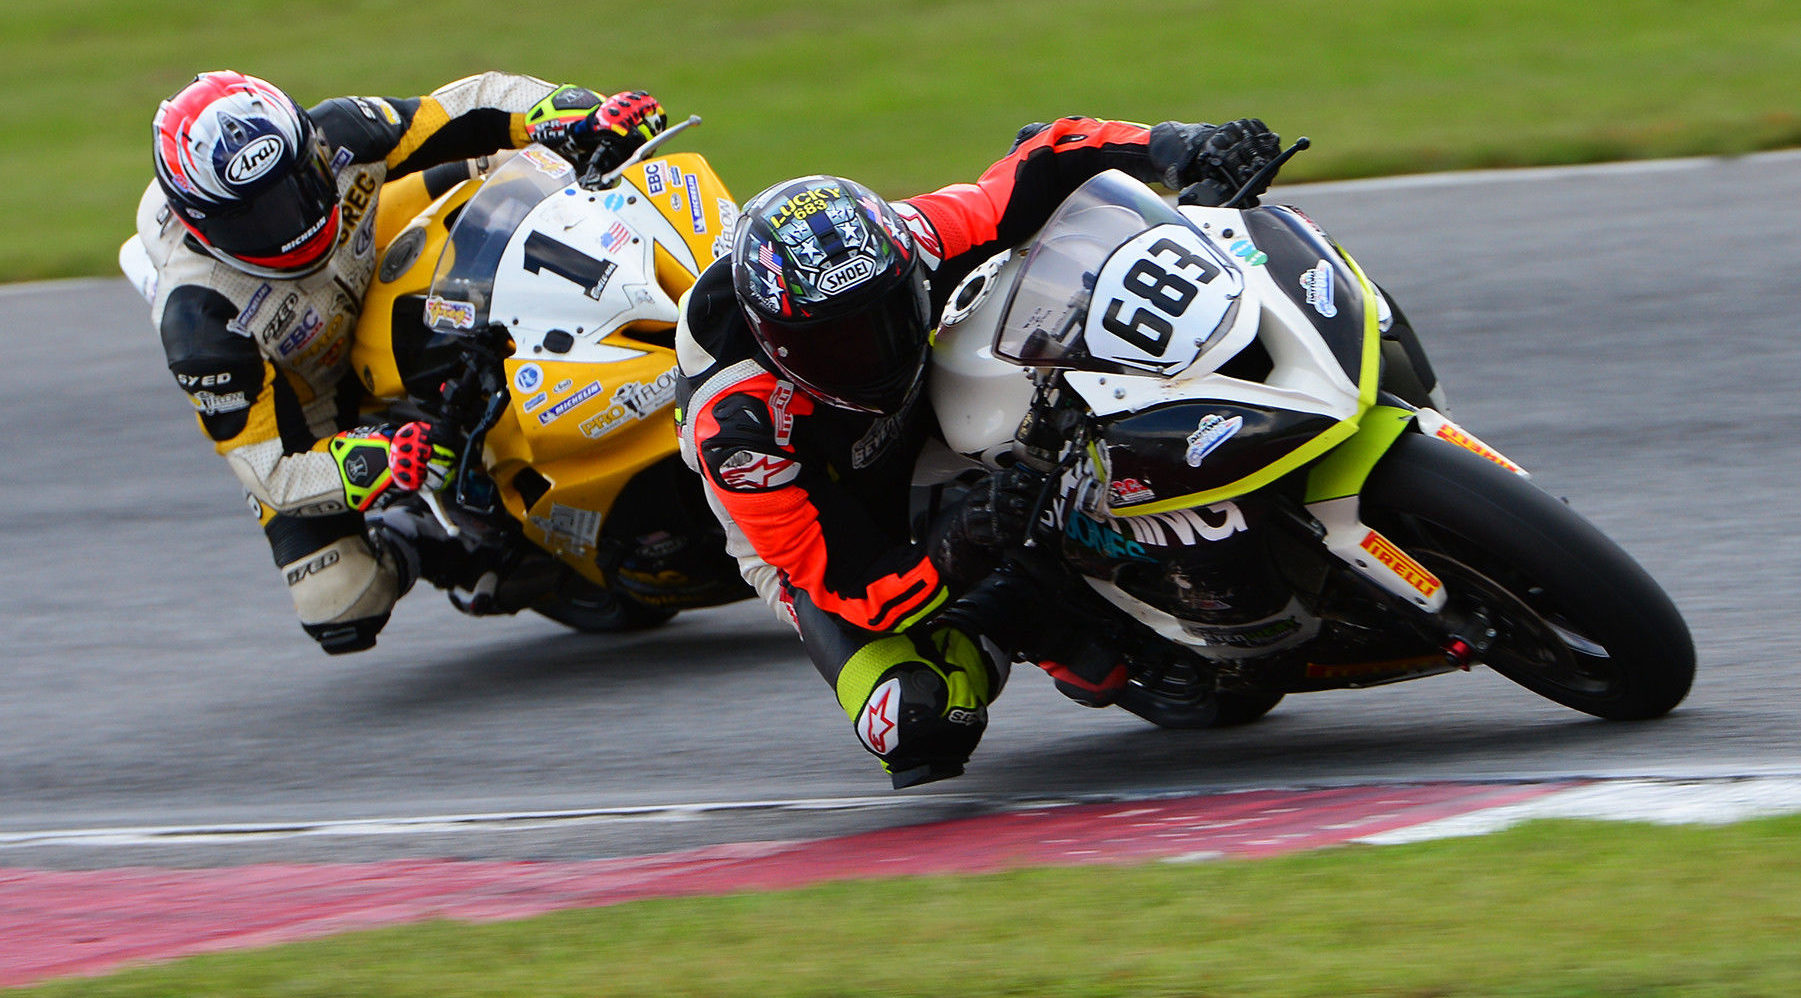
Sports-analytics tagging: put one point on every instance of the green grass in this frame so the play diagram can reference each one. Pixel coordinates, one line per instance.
(1559, 909)
(909, 96)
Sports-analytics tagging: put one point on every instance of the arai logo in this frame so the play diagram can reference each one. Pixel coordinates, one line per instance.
(254, 160)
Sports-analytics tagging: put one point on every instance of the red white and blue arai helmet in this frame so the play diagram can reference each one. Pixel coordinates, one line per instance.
(830, 281)
(247, 174)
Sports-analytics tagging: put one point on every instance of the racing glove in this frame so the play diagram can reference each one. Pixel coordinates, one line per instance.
(583, 127)
(381, 464)
(1209, 163)
(968, 540)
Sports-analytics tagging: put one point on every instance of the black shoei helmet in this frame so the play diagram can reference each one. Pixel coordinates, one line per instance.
(830, 281)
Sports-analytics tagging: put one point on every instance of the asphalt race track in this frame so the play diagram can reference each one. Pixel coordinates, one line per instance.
(1625, 332)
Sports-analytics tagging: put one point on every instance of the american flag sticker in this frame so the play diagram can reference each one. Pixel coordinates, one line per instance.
(616, 237)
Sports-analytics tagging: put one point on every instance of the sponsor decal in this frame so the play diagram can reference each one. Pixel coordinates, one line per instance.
(1321, 294)
(546, 162)
(754, 471)
(443, 312)
(240, 323)
(535, 401)
(563, 385)
(878, 726)
(213, 404)
(1127, 491)
(284, 314)
(1186, 527)
(1257, 635)
(778, 412)
(653, 179)
(193, 381)
(847, 275)
(569, 529)
(632, 401)
(562, 408)
(254, 160)
(341, 159)
(882, 433)
(528, 378)
(1402, 564)
(803, 205)
(1213, 430)
(364, 242)
(303, 333)
(1458, 436)
(615, 237)
(697, 215)
(356, 200)
(313, 567)
(1101, 539)
(614, 201)
(1247, 251)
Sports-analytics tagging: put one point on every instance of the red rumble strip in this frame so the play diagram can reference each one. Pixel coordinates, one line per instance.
(69, 923)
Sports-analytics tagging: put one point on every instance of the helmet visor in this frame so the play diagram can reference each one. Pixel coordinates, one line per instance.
(867, 360)
(287, 225)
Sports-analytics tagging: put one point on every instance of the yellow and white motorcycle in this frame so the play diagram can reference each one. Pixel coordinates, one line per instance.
(533, 312)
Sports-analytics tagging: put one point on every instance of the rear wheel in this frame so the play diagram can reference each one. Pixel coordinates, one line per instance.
(1540, 595)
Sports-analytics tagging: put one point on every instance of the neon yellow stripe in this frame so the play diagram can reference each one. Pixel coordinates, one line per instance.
(1368, 369)
(858, 677)
(925, 611)
(1343, 472)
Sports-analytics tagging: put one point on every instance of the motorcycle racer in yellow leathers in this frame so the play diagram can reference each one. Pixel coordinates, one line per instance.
(255, 245)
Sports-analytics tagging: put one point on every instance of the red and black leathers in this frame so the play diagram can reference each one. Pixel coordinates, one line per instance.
(819, 494)
(815, 498)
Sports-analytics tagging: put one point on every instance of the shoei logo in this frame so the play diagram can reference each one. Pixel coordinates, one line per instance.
(847, 275)
(254, 160)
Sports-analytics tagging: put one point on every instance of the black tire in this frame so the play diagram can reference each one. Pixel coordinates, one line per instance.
(1221, 709)
(593, 610)
(1578, 621)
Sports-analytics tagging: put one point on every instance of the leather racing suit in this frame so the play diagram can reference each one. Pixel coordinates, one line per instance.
(815, 499)
(266, 362)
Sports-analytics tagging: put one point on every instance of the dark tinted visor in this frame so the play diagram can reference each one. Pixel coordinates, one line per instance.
(868, 359)
(279, 219)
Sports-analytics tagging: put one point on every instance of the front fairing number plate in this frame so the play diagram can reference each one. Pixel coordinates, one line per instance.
(1159, 298)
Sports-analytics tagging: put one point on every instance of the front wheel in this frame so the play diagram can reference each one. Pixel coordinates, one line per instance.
(1545, 598)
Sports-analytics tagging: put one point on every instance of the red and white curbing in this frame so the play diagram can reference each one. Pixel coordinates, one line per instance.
(62, 923)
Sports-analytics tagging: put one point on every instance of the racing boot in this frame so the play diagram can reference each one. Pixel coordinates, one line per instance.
(919, 702)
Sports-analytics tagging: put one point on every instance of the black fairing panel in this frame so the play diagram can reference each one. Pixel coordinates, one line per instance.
(1154, 449)
(1314, 275)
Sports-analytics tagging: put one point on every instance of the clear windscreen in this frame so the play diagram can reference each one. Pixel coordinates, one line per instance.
(462, 286)
(1117, 280)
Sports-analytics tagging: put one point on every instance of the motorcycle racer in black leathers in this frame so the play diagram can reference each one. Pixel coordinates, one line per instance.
(255, 245)
(803, 359)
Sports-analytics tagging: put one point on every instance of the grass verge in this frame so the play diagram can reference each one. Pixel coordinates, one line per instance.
(910, 96)
(1546, 909)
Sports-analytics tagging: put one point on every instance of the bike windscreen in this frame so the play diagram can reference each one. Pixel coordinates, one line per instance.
(1118, 281)
(462, 286)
